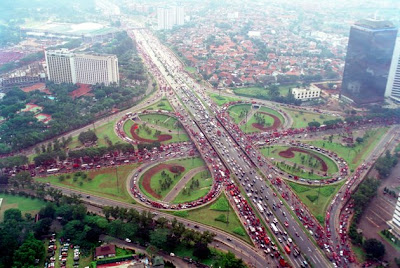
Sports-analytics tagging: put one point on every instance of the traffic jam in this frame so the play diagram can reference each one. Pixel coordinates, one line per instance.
(208, 125)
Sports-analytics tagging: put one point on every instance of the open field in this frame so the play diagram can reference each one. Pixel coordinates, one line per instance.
(161, 120)
(155, 181)
(190, 69)
(259, 92)
(205, 183)
(25, 204)
(302, 118)
(207, 216)
(238, 112)
(103, 131)
(221, 100)
(308, 162)
(353, 155)
(163, 104)
(316, 198)
(102, 182)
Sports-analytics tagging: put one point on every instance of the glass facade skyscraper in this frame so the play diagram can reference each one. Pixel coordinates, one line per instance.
(369, 54)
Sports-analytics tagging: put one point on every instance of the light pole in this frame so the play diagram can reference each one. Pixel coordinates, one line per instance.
(116, 174)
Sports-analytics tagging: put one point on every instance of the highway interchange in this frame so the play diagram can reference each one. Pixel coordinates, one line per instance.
(231, 156)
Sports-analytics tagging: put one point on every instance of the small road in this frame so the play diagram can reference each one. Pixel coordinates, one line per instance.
(225, 240)
(178, 262)
(182, 182)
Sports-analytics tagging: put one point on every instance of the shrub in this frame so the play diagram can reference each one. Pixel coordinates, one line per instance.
(239, 231)
(222, 218)
(312, 198)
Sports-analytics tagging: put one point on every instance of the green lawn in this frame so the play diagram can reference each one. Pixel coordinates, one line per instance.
(260, 92)
(205, 182)
(207, 216)
(25, 204)
(301, 118)
(309, 161)
(142, 133)
(163, 104)
(188, 164)
(238, 112)
(353, 155)
(361, 256)
(316, 202)
(103, 131)
(151, 135)
(161, 120)
(190, 69)
(102, 182)
(221, 100)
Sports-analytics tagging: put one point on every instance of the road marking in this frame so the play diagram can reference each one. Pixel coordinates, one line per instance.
(295, 260)
(387, 202)
(370, 220)
(380, 216)
(301, 238)
(313, 259)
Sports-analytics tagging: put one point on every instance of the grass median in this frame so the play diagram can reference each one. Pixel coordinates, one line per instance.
(316, 198)
(101, 182)
(211, 215)
(196, 188)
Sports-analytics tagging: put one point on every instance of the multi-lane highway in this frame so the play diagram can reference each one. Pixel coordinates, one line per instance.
(195, 101)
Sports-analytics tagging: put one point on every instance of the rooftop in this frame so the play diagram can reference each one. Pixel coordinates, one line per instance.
(375, 24)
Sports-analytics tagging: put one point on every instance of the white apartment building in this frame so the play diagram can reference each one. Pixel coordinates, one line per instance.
(167, 18)
(60, 66)
(64, 66)
(306, 93)
(393, 83)
(395, 222)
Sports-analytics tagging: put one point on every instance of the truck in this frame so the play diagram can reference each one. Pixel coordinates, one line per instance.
(260, 207)
(274, 229)
(287, 249)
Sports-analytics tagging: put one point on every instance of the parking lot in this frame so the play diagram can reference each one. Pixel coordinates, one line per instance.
(379, 211)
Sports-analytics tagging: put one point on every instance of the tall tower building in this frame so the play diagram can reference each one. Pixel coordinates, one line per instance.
(393, 83)
(369, 54)
(394, 223)
(64, 66)
(167, 18)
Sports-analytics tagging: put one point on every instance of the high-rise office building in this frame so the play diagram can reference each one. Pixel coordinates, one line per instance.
(64, 66)
(393, 83)
(369, 54)
(169, 17)
(394, 223)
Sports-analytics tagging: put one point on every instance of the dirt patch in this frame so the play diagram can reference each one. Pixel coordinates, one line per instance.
(277, 123)
(289, 153)
(160, 138)
(153, 171)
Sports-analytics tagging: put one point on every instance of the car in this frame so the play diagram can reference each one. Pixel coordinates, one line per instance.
(286, 224)
(128, 240)
(88, 196)
(196, 226)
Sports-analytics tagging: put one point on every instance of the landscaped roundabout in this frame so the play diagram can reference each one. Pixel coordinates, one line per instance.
(301, 163)
(255, 118)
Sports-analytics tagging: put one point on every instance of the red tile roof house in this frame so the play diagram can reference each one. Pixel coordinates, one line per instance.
(105, 251)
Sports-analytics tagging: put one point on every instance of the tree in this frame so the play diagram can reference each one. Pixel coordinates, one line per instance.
(42, 227)
(374, 248)
(88, 136)
(229, 260)
(28, 252)
(201, 251)
(359, 140)
(13, 214)
(158, 237)
(22, 178)
(314, 124)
